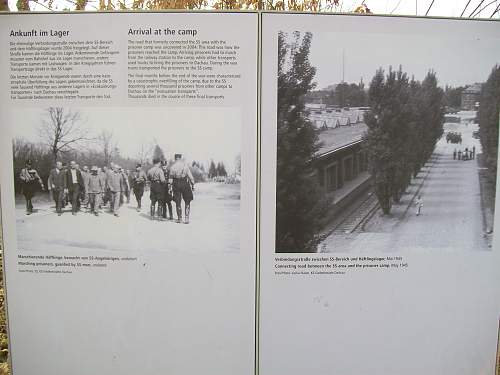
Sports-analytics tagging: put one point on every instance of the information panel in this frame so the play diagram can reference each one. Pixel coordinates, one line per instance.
(128, 166)
(243, 193)
(379, 154)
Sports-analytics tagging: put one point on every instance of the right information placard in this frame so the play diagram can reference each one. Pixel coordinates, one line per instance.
(378, 171)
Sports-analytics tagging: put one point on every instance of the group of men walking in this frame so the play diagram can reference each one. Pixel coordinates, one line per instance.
(94, 188)
(465, 154)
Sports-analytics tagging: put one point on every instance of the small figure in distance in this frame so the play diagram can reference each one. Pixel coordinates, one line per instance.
(419, 203)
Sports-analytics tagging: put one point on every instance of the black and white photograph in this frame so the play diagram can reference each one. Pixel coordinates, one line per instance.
(386, 142)
(128, 179)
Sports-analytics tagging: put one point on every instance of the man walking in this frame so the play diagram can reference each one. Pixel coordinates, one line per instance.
(114, 185)
(419, 203)
(104, 177)
(156, 177)
(139, 179)
(85, 196)
(182, 186)
(73, 186)
(55, 185)
(94, 189)
(166, 201)
(29, 180)
(125, 186)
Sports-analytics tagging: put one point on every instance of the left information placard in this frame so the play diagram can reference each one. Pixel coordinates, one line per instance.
(128, 155)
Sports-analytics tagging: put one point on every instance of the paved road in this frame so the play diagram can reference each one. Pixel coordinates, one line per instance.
(451, 218)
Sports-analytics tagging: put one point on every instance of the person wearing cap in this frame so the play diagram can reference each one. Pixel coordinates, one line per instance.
(30, 180)
(182, 187)
(156, 177)
(139, 179)
(55, 184)
(94, 189)
(73, 184)
(166, 201)
(114, 184)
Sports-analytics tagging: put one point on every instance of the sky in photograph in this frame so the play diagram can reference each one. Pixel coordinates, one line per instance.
(199, 134)
(459, 54)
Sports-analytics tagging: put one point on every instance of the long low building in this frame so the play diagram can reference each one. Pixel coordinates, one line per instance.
(340, 158)
(341, 164)
(330, 117)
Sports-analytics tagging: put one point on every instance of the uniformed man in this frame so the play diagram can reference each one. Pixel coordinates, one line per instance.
(156, 177)
(182, 186)
(30, 180)
(167, 194)
(139, 180)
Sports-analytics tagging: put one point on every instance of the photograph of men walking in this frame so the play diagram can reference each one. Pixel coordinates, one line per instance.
(91, 172)
(366, 133)
(182, 187)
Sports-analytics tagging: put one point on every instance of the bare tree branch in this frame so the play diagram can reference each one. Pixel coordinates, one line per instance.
(483, 8)
(466, 5)
(62, 129)
(478, 6)
(495, 11)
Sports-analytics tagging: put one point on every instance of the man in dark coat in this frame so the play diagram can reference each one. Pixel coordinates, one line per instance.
(166, 201)
(156, 177)
(139, 179)
(56, 186)
(74, 185)
(30, 181)
(182, 187)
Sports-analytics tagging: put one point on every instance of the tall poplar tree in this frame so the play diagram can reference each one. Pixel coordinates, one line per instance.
(489, 120)
(404, 123)
(299, 202)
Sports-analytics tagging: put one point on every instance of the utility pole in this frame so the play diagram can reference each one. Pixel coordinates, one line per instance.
(343, 65)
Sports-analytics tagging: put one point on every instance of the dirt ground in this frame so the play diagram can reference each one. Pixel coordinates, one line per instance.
(214, 226)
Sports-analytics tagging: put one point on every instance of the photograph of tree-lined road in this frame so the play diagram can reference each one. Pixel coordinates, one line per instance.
(393, 153)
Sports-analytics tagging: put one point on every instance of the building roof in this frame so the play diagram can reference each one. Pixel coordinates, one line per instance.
(473, 89)
(331, 118)
(333, 140)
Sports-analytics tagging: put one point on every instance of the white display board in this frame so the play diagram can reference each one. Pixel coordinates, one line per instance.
(242, 193)
(130, 293)
(393, 294)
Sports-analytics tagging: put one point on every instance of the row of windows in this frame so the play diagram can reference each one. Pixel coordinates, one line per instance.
(336, 174)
